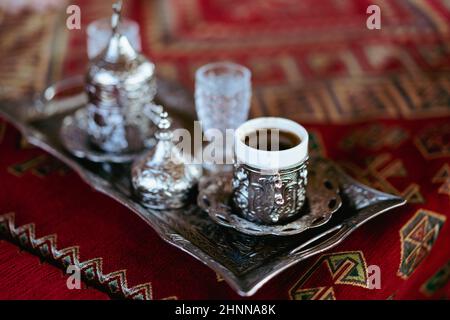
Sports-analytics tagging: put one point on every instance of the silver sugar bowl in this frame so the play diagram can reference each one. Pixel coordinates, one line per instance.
(163, 178)
(269, 187)
(119, 84)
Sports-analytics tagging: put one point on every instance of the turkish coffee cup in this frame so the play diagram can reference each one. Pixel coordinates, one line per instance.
(270, 171)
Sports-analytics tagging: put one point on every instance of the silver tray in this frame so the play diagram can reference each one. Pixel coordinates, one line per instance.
(245, 262)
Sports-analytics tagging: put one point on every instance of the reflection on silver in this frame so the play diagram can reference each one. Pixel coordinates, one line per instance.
(162, 179)
(322, 201)
(119, 83)
(75, 139)
(269, 198)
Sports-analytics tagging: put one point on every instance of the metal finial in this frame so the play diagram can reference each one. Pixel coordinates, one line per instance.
(117, 12)
(164, 124)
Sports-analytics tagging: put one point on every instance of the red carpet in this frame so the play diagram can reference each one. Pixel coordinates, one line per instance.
(378, 102)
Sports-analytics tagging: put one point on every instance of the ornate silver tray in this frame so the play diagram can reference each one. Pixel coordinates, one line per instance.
(322, 200)
(245, 262)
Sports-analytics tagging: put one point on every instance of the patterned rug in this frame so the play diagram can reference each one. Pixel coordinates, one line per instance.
(25, 53)
(376, 101)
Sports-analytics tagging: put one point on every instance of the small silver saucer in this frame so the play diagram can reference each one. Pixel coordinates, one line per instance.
(75, 139)
(322, 193)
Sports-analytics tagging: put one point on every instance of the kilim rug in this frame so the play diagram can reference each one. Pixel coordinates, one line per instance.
(376, 101)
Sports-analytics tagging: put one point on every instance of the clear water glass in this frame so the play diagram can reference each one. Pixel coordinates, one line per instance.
(222, 95)
(99, 32)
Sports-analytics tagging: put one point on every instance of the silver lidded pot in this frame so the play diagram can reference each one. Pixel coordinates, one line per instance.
(163, 178)
(119, 84)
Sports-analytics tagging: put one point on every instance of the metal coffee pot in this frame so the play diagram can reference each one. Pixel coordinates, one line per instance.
(120, 82)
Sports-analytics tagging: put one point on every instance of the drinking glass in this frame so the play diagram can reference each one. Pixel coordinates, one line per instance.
(222, 95)
(222, 98)
(99, 32)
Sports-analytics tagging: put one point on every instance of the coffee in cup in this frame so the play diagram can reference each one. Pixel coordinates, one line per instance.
(271, 139)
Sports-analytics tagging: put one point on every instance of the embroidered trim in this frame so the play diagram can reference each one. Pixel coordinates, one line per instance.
(114, 283)
(432, 143)
(443, 177)
(437, 281)
(345, 268)
(417, 237)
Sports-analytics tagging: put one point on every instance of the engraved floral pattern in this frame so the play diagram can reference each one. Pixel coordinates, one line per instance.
(255, 193)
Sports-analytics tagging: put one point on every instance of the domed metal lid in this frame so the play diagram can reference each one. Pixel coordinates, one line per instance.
(119, 48)
(162, 178)
(119, 63)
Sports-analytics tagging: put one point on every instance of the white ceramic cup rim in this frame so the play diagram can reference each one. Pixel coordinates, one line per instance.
(271, 160)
